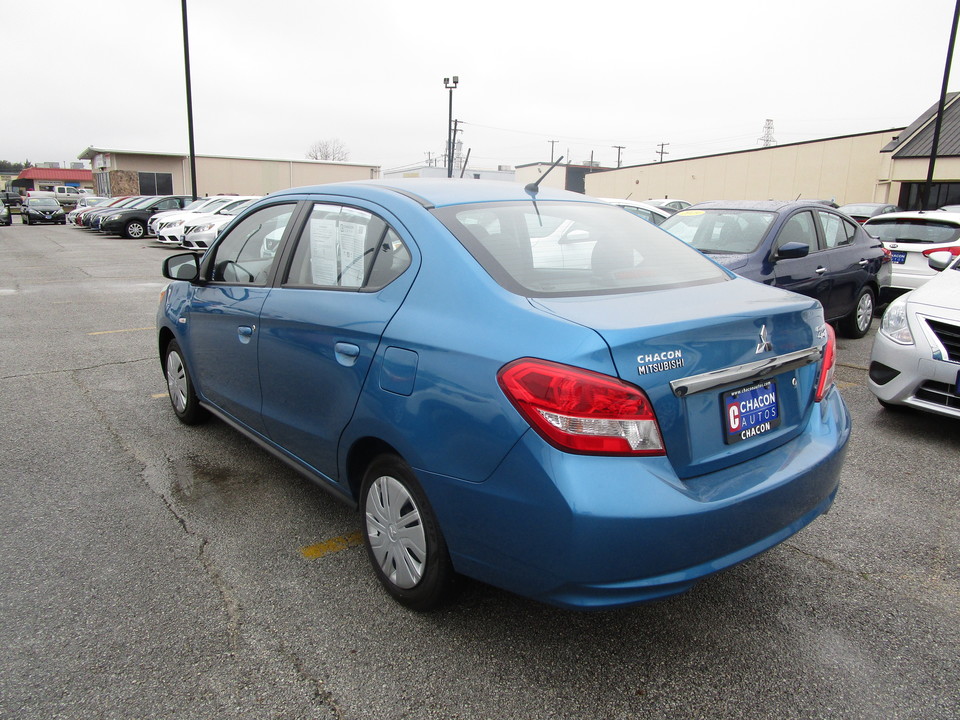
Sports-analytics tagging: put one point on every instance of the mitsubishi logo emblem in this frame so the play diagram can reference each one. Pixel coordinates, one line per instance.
(764, 345)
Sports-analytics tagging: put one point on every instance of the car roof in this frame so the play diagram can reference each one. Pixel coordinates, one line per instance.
(439, 192)
(636, 203)
(764, 205)
(932, 215)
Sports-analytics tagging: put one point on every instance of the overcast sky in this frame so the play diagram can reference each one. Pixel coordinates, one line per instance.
(272, 78)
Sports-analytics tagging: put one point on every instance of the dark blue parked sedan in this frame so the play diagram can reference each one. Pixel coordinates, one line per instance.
(519, 385)
(802, 246)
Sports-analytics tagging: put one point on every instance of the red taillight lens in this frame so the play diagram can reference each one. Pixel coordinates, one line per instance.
(581, 411)
(953, 250)
(825, 381)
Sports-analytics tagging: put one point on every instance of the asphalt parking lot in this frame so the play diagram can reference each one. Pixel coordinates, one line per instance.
(153, 570)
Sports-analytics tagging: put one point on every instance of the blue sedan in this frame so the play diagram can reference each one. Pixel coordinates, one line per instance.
(804, 246)
(520, 385)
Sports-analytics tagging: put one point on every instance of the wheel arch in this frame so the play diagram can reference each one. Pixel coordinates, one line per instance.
(163, 339)
(359, 457)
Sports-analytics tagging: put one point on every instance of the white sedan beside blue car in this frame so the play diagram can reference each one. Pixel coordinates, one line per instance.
(593, 426)
(915, 360)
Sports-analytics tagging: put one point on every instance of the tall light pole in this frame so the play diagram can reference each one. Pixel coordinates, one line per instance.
(451, 86)
(925, 191)
(186, 66)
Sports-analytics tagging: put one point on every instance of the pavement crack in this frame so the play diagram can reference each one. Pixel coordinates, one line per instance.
(77, 369)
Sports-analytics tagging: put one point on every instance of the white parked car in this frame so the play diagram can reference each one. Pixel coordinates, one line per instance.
(200, 205)
(915, 360)
(671, 205)
(200, 231)
(911, 237)
(650, 213)
(85, 201)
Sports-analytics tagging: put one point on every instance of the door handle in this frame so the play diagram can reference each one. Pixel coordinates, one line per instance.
(347, 353)
(245, 332)
(863, 263)
(821, 270)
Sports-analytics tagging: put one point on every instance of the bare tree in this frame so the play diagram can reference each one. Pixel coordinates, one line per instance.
(333, 149)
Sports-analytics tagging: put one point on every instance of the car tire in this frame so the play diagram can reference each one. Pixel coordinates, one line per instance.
(402, 537)
(134, 230)
(180, 388)
(857, 323)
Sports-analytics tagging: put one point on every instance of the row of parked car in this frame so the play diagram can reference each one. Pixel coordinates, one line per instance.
(171, 219)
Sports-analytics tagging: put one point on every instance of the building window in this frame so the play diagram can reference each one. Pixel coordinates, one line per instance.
(156, 183)
(942, 193)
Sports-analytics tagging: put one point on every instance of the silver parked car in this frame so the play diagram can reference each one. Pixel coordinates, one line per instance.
(916, 353)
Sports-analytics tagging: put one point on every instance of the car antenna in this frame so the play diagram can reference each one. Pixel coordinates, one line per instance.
(534, 187)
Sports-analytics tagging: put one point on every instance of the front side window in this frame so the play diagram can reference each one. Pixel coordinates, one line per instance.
(346, 248)
(554, 249)
(247, 253)
(799, 229)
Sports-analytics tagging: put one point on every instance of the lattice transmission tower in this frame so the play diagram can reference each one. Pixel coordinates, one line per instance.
(767, 139)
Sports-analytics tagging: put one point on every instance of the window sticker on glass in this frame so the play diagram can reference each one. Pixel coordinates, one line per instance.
(337, 241)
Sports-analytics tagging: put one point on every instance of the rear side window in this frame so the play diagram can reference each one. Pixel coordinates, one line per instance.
(346, 248)
(553, 249)
(836, 230)
(904, 230)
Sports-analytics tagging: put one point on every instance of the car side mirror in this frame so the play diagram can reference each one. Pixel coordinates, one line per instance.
(791, 251)
(185, 266)
(940, 259)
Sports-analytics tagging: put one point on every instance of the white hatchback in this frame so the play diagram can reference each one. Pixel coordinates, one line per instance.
(911, 237)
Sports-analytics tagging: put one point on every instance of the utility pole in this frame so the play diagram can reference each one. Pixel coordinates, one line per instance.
(661, 152)
(451, 87)
(552, 144)
(618, 148)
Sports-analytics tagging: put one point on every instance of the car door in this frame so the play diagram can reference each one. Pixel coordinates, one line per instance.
(806, 275)
(320, 329)
(223, 319)
(847, 263)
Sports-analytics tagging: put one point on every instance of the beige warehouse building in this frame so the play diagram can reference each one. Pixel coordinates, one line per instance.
(122, 172)
(882, 166)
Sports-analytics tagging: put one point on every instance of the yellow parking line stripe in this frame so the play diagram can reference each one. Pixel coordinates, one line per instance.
(110, 332)
(332, 545)
(158, 395)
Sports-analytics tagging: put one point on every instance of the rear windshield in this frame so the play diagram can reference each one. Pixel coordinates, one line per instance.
(732, 232)
(912, 230)
(551, 249)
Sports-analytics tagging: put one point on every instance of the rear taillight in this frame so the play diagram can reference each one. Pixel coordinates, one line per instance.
(825, 381)
(953, 250)
(581, 411)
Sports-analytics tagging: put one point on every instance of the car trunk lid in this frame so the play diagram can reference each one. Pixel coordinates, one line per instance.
(731, 368)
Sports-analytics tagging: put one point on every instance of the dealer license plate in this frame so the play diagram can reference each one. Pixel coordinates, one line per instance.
(750, 411)
(898, 256)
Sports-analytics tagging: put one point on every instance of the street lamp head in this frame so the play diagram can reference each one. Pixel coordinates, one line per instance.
(448, 85)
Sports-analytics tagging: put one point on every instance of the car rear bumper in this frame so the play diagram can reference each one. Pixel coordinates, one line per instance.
(600, 532)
